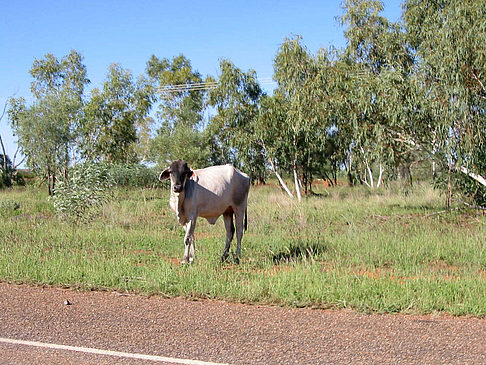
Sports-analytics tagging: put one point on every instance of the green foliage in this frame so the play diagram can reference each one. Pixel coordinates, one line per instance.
(449, 37)
(374, 73)
(180, 113)
(398, 94)
(178, 105)
(184, 142)
(306, 126)
(134, 175)
(80, 196)
(46, 129)
(111, 117)
(232, 130)
(8, 174)
(9, 208)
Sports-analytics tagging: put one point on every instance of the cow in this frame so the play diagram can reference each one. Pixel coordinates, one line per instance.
(208, 193)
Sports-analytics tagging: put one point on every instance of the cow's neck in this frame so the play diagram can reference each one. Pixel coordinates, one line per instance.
(177, 204)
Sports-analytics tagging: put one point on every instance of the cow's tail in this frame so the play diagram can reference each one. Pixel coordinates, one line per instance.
(246, 219)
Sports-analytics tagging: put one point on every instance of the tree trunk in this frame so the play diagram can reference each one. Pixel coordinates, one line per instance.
(274, 169)
(49, 191)
(480, 179)
(297, 184)
(4, 162)
(282, 183)
(370, 173)
(449, 188)
(365, 180)
(380, 176)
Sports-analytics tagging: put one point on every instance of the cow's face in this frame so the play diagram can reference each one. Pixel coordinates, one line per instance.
(178, 171)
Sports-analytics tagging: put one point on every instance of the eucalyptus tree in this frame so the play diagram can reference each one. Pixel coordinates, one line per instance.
(4, 154)
(375, 70)
(46, 129)
(113, 115)
(180, 94)
(449, 37)
(7, 168)
(269, 133)
(303, 87)
(236, 98)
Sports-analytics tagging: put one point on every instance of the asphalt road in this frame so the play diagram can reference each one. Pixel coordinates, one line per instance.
(177, 331)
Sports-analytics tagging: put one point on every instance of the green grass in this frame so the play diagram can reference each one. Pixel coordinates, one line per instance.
(373, 251)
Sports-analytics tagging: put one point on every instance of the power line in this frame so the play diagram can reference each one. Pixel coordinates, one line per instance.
(197, 86)
(200, 86)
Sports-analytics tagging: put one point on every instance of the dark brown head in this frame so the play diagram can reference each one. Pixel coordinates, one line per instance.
(178, 171)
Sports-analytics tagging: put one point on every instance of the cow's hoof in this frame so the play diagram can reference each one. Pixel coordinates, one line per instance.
(224, 258)
(187, 261)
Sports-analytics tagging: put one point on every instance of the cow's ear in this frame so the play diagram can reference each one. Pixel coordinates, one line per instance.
(165, 174)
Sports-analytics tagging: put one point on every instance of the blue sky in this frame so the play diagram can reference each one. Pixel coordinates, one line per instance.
(129, 32)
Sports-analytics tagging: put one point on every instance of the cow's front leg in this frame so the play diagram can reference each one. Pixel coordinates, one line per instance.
(189, 248)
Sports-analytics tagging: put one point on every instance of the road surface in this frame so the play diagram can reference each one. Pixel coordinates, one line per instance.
(61, 326)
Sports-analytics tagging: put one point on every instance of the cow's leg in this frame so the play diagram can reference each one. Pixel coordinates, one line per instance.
(189, 248)
(230, 232)
(239, 218)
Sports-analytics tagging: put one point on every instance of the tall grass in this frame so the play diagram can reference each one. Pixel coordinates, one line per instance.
(374, 251)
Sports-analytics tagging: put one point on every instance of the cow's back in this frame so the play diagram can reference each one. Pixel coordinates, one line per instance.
(217, 188)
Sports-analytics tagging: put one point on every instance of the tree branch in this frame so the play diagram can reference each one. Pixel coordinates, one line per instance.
(478, 80)
(274, 169)
(480, 179)
(1, 140)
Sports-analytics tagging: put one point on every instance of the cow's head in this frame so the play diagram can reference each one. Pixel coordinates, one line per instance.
(178, 171)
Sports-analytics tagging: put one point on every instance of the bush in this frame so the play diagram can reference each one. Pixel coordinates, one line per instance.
(84, 192)
(9, 175)
(9, 208)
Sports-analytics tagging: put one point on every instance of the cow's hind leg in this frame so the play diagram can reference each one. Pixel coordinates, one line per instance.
(189, 248)
(239, 218)
(230, 231)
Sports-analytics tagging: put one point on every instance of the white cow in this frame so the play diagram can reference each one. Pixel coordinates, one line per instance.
(209, 193)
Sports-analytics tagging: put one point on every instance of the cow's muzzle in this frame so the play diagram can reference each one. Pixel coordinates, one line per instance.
(179, 187)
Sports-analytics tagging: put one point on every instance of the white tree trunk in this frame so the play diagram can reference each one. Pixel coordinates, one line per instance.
(284, 186)
(474, 176)
(380, 176)
(372, 184)
(366, 180)
(297, 185)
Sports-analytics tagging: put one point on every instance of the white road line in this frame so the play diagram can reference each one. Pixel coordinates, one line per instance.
(108, 352)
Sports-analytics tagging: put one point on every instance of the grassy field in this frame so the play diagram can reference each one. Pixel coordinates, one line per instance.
(373, 251)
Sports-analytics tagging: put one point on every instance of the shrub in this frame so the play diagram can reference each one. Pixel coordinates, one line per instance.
(9, 175)
(9, 208)
(84, 192)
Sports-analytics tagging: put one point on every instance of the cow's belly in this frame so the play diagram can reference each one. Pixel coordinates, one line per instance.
(212, 213)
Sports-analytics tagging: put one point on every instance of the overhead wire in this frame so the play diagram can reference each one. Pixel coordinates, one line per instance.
(197, 86)
(200, 86)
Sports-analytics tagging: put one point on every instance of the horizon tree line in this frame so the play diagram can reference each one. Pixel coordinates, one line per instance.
(398, 94)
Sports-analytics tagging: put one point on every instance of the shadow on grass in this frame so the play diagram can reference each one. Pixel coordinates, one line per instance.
(298, 251)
